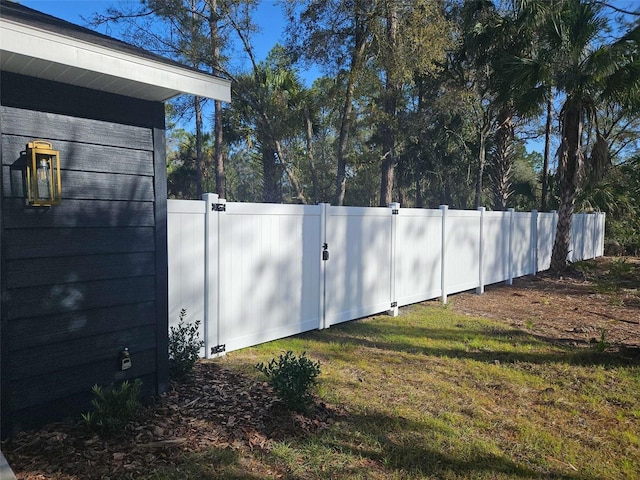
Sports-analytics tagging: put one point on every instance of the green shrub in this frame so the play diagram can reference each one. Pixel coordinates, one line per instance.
(292, 379)
(113, 407)
(184, 347)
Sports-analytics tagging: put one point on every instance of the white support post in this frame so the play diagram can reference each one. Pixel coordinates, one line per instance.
(554, 228)
(443, 209)
(220, 227)
(395, 211)
(323, 265)
(480, 289)
(510, 256)
(584, 255)
(534, 242)
(211, 274)
(601, 226)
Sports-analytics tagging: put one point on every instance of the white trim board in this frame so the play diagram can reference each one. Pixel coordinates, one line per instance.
(44, 54)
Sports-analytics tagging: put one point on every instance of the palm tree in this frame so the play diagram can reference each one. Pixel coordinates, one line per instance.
(574, 59)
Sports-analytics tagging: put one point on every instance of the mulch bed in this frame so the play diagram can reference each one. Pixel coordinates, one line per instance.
(213, 408)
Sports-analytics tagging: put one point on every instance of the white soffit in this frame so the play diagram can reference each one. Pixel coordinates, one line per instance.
(48, 55)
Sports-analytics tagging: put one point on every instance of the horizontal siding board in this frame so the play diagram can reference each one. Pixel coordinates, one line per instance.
(38, 94)
(85, 157)
(78, 213)
(61, 385)
(34, 332)
(30, 123)
(52, 242)
(31, 272)
(55, 357)
(54, 299)
(101, 186)
(87, 185)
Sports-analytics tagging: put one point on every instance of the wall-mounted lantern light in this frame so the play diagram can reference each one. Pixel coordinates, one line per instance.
(43, 174)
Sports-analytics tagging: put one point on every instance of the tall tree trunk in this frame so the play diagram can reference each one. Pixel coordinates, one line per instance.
(570, 168)
(482, 156)
(312, 164)
(503, 161)
(386, 180)
(419, 196)
(200, 166)
(271, 191)
(357, 56)
(547, 153)
(290, 173)
(218, 152)
(389, 107)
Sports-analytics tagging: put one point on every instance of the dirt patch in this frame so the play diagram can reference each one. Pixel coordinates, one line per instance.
(597, 301)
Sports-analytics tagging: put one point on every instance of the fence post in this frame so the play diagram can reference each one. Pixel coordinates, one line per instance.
(443, 209)
(395, 211)
(602, 222)
(324, 257)
(211, 274)
(554, 229)
(480, 289)
(584, 235)
(534, 246)
(510, 254)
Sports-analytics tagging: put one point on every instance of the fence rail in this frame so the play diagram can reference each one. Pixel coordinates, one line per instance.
(253, 273)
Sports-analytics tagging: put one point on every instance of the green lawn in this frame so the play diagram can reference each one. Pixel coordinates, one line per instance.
(435, 394)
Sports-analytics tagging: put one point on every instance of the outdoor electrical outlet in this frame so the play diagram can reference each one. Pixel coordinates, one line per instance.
(125, 360)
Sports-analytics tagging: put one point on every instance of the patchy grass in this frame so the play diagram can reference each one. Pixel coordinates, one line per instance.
(431, 394)
(434, 394)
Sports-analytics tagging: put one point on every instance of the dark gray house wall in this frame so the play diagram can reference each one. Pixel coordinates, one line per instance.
(83, 280)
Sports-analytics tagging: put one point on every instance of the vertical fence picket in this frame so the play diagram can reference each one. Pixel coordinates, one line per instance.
(534, 242)
(480, 289)
(324, 258)
(395, 211)
(211, 274)
(509, 279)
(443, 209)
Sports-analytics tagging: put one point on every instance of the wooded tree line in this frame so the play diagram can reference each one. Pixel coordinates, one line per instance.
(425, 102)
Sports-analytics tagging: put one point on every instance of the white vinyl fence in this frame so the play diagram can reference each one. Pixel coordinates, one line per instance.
(253, 273)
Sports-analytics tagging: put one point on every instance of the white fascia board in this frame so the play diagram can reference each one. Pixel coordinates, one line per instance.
(49, 46)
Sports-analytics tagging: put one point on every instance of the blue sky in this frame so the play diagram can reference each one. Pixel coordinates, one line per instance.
(270, 17)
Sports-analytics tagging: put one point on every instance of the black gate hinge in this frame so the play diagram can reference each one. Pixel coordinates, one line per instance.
(394, 304)
(395, 211)
(218, 349)
(218, 207)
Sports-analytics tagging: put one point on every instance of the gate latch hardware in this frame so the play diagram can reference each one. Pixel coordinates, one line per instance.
(325, 252)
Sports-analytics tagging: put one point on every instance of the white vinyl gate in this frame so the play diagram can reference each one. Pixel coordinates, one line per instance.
(253, 273)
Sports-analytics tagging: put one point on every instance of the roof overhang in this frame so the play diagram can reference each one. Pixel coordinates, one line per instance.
(45, 54)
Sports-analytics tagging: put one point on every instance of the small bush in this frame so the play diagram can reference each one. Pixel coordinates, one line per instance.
(292, 379)
(184, 347)
(113, 407)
